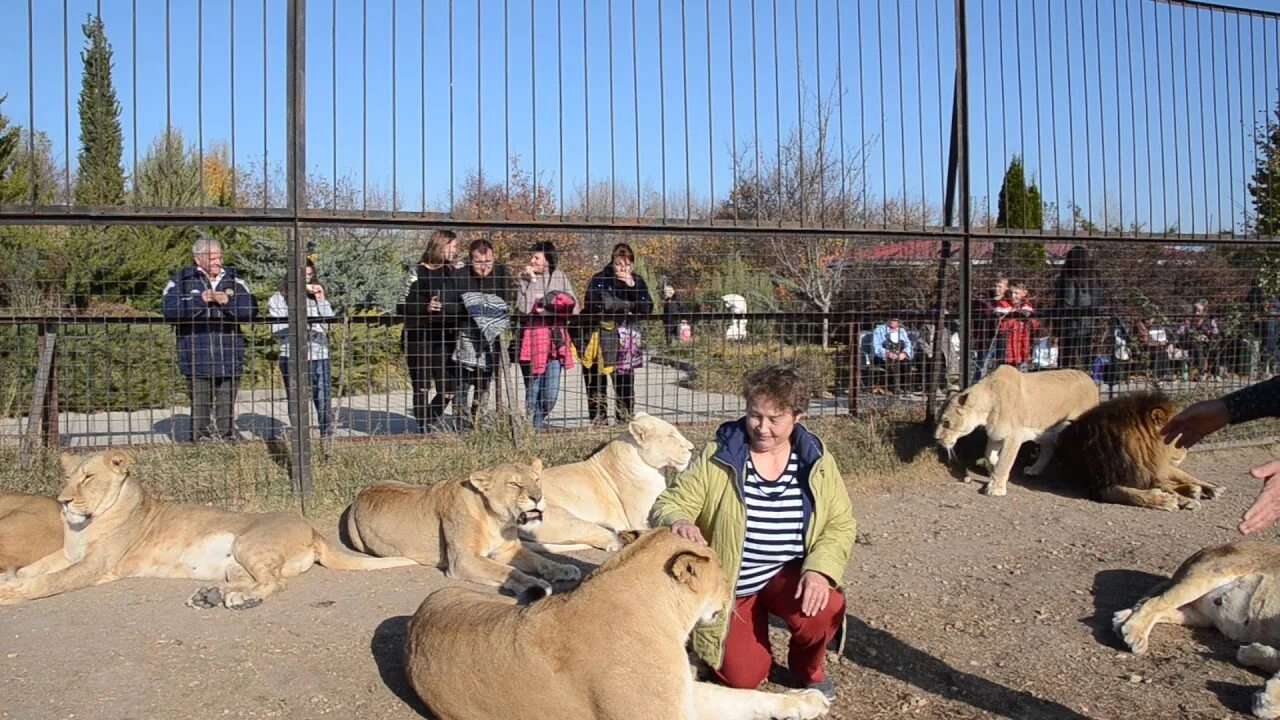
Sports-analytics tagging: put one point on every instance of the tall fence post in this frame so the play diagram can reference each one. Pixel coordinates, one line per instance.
(962, 168)
(299, 383)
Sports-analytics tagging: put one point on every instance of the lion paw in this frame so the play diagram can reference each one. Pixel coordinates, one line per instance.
(206, 598)
(1256, 655)
(9, 593)
(994, 490)
(562, 573)
(804, 704)
(1190, 505)
(1266, 702)
(1122, 622)
(241, 601)
(1212, 493)
(532, 592)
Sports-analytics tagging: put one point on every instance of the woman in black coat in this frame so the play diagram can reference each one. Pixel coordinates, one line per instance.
(1078, 304)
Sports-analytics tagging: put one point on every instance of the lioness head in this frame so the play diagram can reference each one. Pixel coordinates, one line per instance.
(92, 486)
(660, 444)
(512, 492)
(698, 571)
(961, 417)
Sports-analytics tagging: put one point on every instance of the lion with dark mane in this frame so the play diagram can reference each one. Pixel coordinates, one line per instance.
(1115, 453)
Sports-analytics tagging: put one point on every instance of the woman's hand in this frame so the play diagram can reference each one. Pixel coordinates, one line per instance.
(814, 592)
(688, 531)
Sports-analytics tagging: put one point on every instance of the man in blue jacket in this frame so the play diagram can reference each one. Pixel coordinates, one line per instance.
(207, 302)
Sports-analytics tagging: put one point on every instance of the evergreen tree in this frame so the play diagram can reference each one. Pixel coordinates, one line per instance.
(8, 156)
(101, 176)
(1019, 207)
(1265, 187)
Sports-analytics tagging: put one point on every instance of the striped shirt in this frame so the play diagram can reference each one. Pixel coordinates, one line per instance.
(775, 526)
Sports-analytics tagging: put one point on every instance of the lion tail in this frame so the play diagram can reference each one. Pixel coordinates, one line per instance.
(349, 532)
(336, 559)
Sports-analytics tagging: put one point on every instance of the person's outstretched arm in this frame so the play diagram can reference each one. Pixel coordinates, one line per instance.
(1208, 416)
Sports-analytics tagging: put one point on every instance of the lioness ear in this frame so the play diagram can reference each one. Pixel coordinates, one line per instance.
(638, 429)
(962, 398)
(69, 463)
(118, 459)
(536, 465)
(686, 566)
(481, 480)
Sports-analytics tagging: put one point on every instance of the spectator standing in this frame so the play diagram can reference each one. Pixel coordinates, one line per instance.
(1017, 325)
(1077, 305)
(1199, 334)
(545, 299)
(615, 297)
(207, 302)
(431, 311)
(487, 295)
(318, 361)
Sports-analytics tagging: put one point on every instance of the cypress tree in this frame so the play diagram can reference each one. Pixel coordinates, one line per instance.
(1265, 186)
(10, 189)
(1019, 207)
(100, 178)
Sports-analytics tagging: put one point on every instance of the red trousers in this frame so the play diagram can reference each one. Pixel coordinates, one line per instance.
(747, 657)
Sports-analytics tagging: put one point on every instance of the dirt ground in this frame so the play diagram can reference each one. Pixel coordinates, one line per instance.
(961, 606)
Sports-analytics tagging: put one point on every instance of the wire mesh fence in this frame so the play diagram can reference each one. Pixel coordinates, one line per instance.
(838, 185)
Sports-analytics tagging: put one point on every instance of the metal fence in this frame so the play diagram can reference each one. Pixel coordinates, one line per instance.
(798, 173)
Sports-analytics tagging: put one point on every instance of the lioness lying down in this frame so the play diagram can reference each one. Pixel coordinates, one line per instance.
(114, 528)
(30, 528)
(1016, 407)
(611, 648)
(1116, 453)
(468, 528)
(590, 502)
(1232, 587)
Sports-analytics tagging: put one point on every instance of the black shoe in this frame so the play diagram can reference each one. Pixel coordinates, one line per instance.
(824, 686)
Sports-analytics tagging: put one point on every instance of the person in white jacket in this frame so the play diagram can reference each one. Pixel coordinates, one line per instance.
(317, 345)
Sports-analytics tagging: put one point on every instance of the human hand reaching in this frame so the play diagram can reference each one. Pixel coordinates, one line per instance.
(1266, 508)
(1196, 421)
(688, 531)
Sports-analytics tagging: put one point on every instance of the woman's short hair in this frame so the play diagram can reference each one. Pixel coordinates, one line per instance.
(624, 251)
(437, 252)
(548, 250)
(780, 384)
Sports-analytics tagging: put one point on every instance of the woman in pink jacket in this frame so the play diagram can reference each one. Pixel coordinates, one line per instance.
(545, 299)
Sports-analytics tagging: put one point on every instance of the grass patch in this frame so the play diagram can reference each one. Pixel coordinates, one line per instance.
(719, 365)
(874, 454)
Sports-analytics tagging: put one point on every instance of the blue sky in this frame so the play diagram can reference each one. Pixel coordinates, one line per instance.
(1153, 118)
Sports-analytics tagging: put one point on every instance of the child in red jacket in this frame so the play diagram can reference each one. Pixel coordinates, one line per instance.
(1017, 324)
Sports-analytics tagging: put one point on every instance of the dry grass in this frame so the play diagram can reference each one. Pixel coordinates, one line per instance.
(874, 454)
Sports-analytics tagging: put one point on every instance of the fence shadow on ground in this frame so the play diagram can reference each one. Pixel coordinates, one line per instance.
(880, 651)
(261, 426)
(376, 422)
(174, 427)
(387, 648)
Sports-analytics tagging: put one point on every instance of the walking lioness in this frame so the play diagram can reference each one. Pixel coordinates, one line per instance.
(1016, 407)
(1234, 588)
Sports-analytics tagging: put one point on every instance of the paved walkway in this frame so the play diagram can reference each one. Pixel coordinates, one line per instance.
(264, 413)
